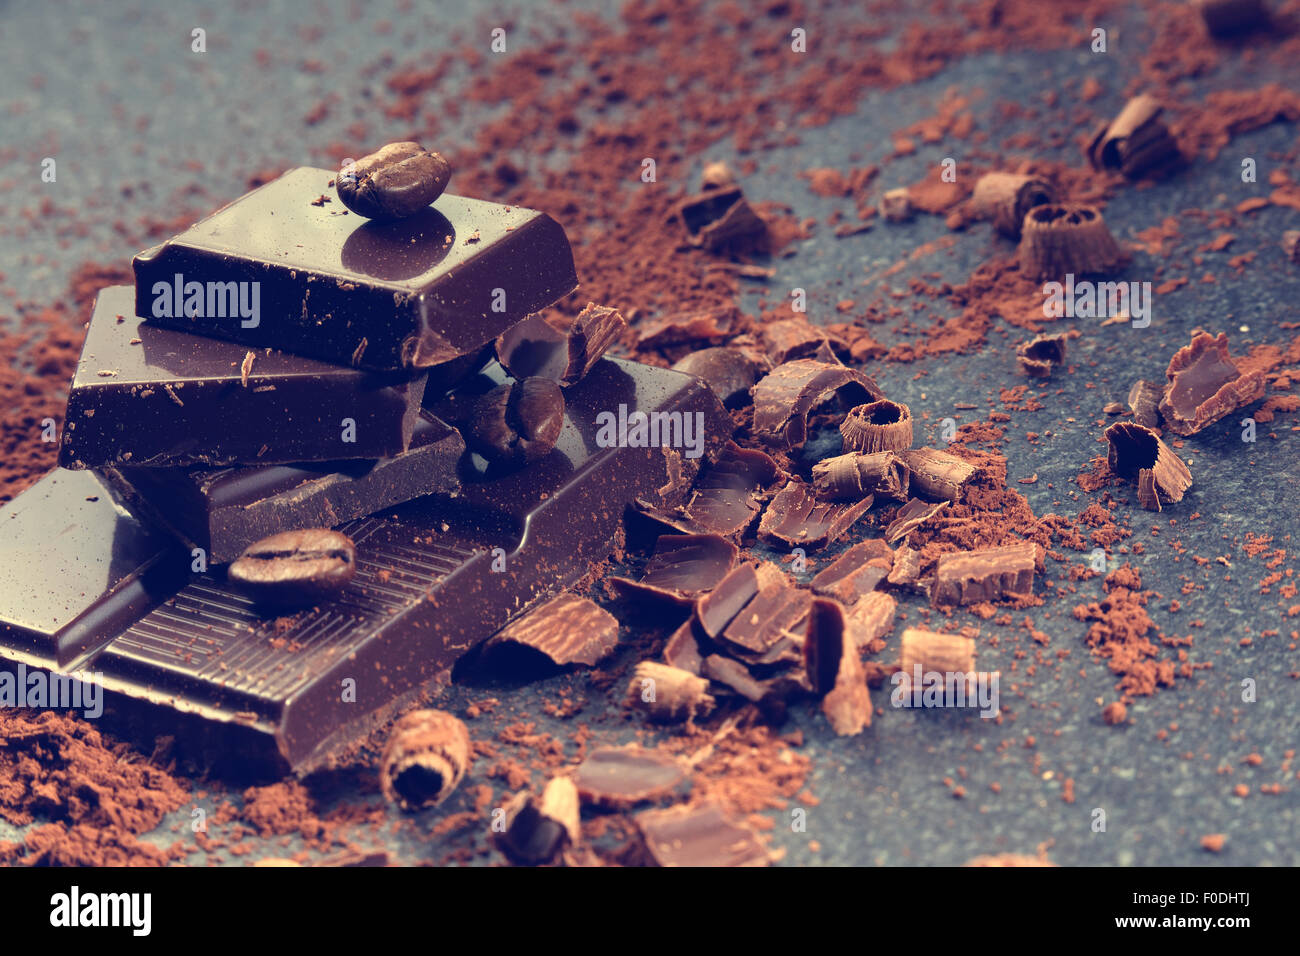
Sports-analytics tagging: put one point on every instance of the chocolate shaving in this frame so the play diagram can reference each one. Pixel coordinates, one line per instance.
(1040, 355)
(1135, 448)
(796, 518)
(1148, 495)
(719, 217)
(704, 325)
(855, 476)
(856, 572)
(931, 651)
(1135, 142)
(567, 629)
(720, 606)
(785, 397)
(790, 339)
(1057, 240)
(726, 499)
(910, 517)
(621, 777)
(907, 567)
(936, 475)
(1291, 244)
(1006, 197)
(877, 426)
(988, 574)
(871, 619)
(896, 205)
(834, 669)
(727, 371)
(596, 328)
(736, 676)
(1204, 385)
(1144, 398)
(682, 567)
(683, 648)
(698, 836)
(769, 628)
(424, 760)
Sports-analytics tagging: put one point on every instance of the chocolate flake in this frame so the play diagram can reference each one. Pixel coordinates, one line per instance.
(988, 574)
(1136, 141)
(910, 517)
(424, 760)
(871, 619)
(796, 338)
(1291, 244)
(877, 426)
(834, 669)
(1040, 355)
(567, 629)
(936, 475)
(907, 567)
(668, 694)
(1204, 385)
(717, 218)
(785, 397)
(726, 499)
(796, 518)
(934, 652)
(855, 476)
(727, 371)
(1135, 448)
(596, 328)
(720, 606)
(621, 777)
(683, 648)
(856, 572)
(698, 836)
(1066, 239)
(682, 328)
(537, 830)
(1144, 398)
(769, 628)
(682, 567)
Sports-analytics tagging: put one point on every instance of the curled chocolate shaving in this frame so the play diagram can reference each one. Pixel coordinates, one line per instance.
(834, 670)
(910, 517)
(425, 759)
(987, 574)
(785, 397)
(1006, 197)
(856, 572)
(682, 328)
(796, 518)
(567, 629)
(535, 347)
(1204, 385)
(736, 676)
(726, 499)
(871, 619)
(537, 830)
(907, 567)
(668, 694)
(720, 606)
(1061, 239)
(1135, 141)
(1041, 354)
(1135, 448)
(727, 371)
(682, 567)
(856, 475)
(936, 475)
(1144, 399)
(877, 426)
(596, 328)
(931, 651)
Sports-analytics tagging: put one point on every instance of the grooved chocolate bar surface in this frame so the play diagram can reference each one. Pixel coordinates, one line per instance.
(408, 294)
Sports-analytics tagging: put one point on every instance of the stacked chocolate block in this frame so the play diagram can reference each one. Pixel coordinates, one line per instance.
(285, 364)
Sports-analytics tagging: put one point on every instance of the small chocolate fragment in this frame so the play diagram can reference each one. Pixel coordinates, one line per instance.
(988, 574)
(726, 497)
(856, 475)
(725, 370)
(538, 347)
(517, 422)
(716, 175)
(1229, 17)
(683, 648)
(393, 182)
(1204, 385)
(735, 675)
(1144, 399)
(910, 517)
(698, 836)
(1061, 239)
(596, 328)
(1041, 354)
(682, 567)
(856, 572)
(785, 397)
(537, 830)
(770, 627)
(871, 619)
(930, 651)
(937, 475)
(790, 339)
(896, 205)
(834, 669)
(1006, 197)
(685, 328)
(796, 518)
(715, 610)
(621, 777)
(877, 426)
(1291, 244)
(567, 629)
(425, 759)
(907, 567)
(1136, 141)
(668, 694)
(295, 568)
(718, 218)
(1135, 448)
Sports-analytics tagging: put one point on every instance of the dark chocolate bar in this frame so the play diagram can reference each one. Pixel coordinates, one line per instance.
(275, 268)
(434, 577)
(224, 510)
(148, 396)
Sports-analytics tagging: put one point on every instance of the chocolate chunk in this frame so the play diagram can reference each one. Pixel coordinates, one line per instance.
(769, 628)
(715, 610)
(621, 777)
(930, 652)
(698, 836)
(1135, 142)
(1144, 398)
(394, 182)
(517, 422)
(425, 759)
(683, 567)
(906, 571)
(1057, 240)
(596, 328)
(896, 205)
(178, 399)
(790, 339)
(668, 694)
(718, 218)
(856, 572)
(910, 517)
(1041, 354)
(295, 568)
(1230, 17)
(683, 328)
(855, 476)
(1204, 385)
(796, 518)
(786, 396)
(683, 648)
(725, 370)
(406, 294)
(988, 574)
(225, 510)
(937, 475)
(834, 669)
(1005, 198)
(726, 496)
(567, 629)
(1134, 449)
(538, 830)
(871, 618)
(877, 426)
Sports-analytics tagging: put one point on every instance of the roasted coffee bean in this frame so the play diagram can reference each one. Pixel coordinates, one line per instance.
(395, 182)
(518, 422)
(295, 568)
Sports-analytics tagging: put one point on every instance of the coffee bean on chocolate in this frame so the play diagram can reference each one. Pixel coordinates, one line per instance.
(517, 422)
(296, 568)
(394, 182)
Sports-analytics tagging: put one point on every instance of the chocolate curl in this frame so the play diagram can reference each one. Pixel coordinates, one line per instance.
(1040, 355)
(1204, 385)
(987, 574)
(936, 475)
(596, 328)
(932, 651)
(1291, 245)
(910, 517)
(425, 759)
(784, 398)
(718, 217)
(854, 476)
(1227, 17)
(1057, 240)
(877, 426)
(1135, 141)
(790, 339)
(1135, 448)
(669, 694)
(834, 669)
(1144, 398)
(1006, 197)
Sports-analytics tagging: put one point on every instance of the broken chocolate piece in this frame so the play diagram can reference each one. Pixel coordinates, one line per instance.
(1204, 385)
(936, 475)
(725, 370)
(1144, 398)
(726, 499)
(896, 205)
(1040, 355)
(855, 572)
(856, 475)
(790, 339)
(718, 218)
(621, 777)
(1230, 17)
(1135, 448)
(988, 574)
(668, 694)
(796, 518)
(770, 627)
(877, 426)
(1058, 239)
(735, 675)
(871, 619)
(682, 567)
(785, 397)
(698, 836)
(932, 652)
(683, 648)
(715, 610)
(834, 669)
(538, 830)
(1136, 141)
(567, 629)
(910, 517)
(907, 567)
(684, 328)
(1006, 197)
(426, 757)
